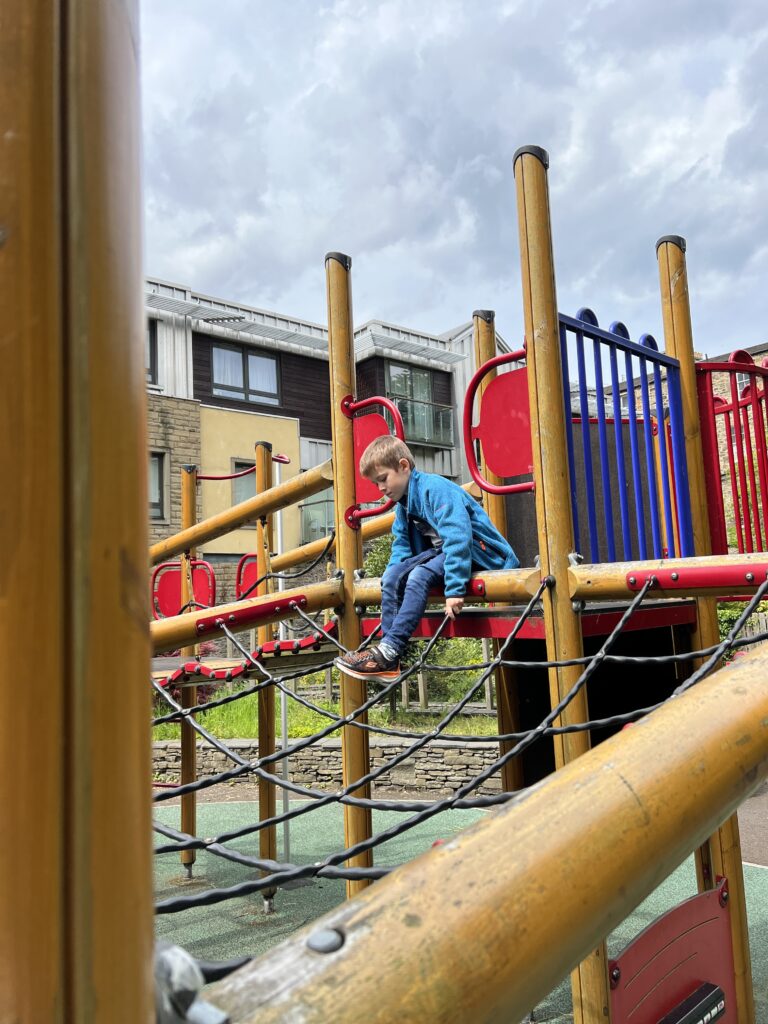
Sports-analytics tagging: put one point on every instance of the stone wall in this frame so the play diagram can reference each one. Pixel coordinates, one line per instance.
(439, 768)
(173, 427)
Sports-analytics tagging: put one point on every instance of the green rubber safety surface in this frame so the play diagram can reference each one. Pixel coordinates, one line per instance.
(239, 927)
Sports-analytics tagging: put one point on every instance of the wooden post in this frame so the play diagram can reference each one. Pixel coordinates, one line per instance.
(349, 548)
(75, 861)
(188, 693)
(266, 698)
(507, 708)
(589, 981)
(721, 855)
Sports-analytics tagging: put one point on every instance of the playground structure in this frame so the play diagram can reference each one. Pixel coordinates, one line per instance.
(671, 782)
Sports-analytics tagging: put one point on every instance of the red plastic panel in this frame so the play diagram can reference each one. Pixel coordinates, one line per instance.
(666, 963)
(504, 427)
(366, 429)
(166, 587)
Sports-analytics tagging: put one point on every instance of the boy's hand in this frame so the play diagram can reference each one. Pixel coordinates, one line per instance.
(453, 606)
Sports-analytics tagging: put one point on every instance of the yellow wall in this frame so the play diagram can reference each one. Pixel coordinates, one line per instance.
(226, 435)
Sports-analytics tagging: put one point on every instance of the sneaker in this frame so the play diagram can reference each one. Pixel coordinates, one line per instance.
(370, 664)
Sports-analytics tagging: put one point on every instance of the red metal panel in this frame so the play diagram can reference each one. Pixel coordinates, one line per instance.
(249, 614)
(675, 955)
(504, 426)
(366, 429)
(712, 473)
(166, 587)
(700, 577)
(247, 574)
(599, 623)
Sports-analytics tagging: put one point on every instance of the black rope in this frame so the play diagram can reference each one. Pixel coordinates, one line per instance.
(283, 873)
(292, 575)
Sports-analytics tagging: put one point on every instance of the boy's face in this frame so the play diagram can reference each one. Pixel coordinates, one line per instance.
(393, 482)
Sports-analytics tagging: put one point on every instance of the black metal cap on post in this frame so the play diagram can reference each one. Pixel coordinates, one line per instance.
(340, 257)
(189, 468)
(537, 151)
(264, 444)
(489, 315)
(677, 240)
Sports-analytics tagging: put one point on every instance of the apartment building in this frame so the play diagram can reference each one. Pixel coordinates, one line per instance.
(223, 375)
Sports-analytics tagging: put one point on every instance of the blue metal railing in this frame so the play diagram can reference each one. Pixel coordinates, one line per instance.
(653, 502)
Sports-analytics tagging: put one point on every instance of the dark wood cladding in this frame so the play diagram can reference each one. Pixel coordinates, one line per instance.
(303, 382)
(442, 390)
(370, 376)
(304, 386)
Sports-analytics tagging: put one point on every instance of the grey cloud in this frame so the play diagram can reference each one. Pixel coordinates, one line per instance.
(277, 131)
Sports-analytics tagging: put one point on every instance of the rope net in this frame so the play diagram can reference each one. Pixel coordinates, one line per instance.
(256, 676)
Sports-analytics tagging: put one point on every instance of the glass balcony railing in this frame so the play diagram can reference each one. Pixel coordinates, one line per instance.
(426, 422)
(317, 520)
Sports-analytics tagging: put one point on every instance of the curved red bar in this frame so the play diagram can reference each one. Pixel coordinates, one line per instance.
(469, 403)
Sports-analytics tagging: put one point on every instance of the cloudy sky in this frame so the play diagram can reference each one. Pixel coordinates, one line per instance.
(276, 130)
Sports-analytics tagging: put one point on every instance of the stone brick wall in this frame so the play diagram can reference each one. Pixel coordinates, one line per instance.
(173, 426)
(439, 768)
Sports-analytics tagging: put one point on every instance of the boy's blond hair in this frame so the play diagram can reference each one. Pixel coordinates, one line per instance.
(385, 451)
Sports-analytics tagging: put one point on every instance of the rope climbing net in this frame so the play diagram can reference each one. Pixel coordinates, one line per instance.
(275, 874)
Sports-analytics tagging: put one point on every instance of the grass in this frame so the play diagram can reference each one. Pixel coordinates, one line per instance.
(239, 720)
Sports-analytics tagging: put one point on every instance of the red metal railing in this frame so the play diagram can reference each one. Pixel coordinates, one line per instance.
(733, 434)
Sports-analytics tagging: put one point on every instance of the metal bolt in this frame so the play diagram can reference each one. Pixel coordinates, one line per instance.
(232, 618)
(723, 897)
(675, 576)
(325, 940)
(750, 577)
(632, 581)
(615, 975)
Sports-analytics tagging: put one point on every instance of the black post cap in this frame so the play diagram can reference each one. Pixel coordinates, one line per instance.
(677, 240)
(537, 151)
(340, 257)
(489, 315)
(264, 444)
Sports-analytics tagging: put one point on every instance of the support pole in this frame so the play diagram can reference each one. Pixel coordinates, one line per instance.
(75, 861)
(589, 981)
(349, 548)
(507, 707)
(188, 693)
(721, 855)
(266, 698)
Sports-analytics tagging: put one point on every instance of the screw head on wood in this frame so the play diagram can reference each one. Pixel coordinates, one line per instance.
(325, 940)
(632, 581)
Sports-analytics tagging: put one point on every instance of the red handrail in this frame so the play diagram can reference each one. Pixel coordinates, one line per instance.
(283, 459)
(349, 407)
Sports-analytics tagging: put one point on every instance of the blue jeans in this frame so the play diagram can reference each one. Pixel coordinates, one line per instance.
(405, 588)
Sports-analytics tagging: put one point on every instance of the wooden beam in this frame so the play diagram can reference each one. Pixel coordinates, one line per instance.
(619, 819)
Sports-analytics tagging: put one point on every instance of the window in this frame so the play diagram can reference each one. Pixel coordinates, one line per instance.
(742, 380)
(150, 352)
(244, 375)
(157, 507)
(410, 387)
(243, 487)
(317, 516)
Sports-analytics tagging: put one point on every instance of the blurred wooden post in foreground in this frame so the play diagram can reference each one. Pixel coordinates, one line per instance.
(75, 874)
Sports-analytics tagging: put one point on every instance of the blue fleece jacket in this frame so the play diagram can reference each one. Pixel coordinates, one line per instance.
(468, 535)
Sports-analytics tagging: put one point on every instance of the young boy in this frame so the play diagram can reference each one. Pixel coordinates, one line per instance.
(441, 535)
